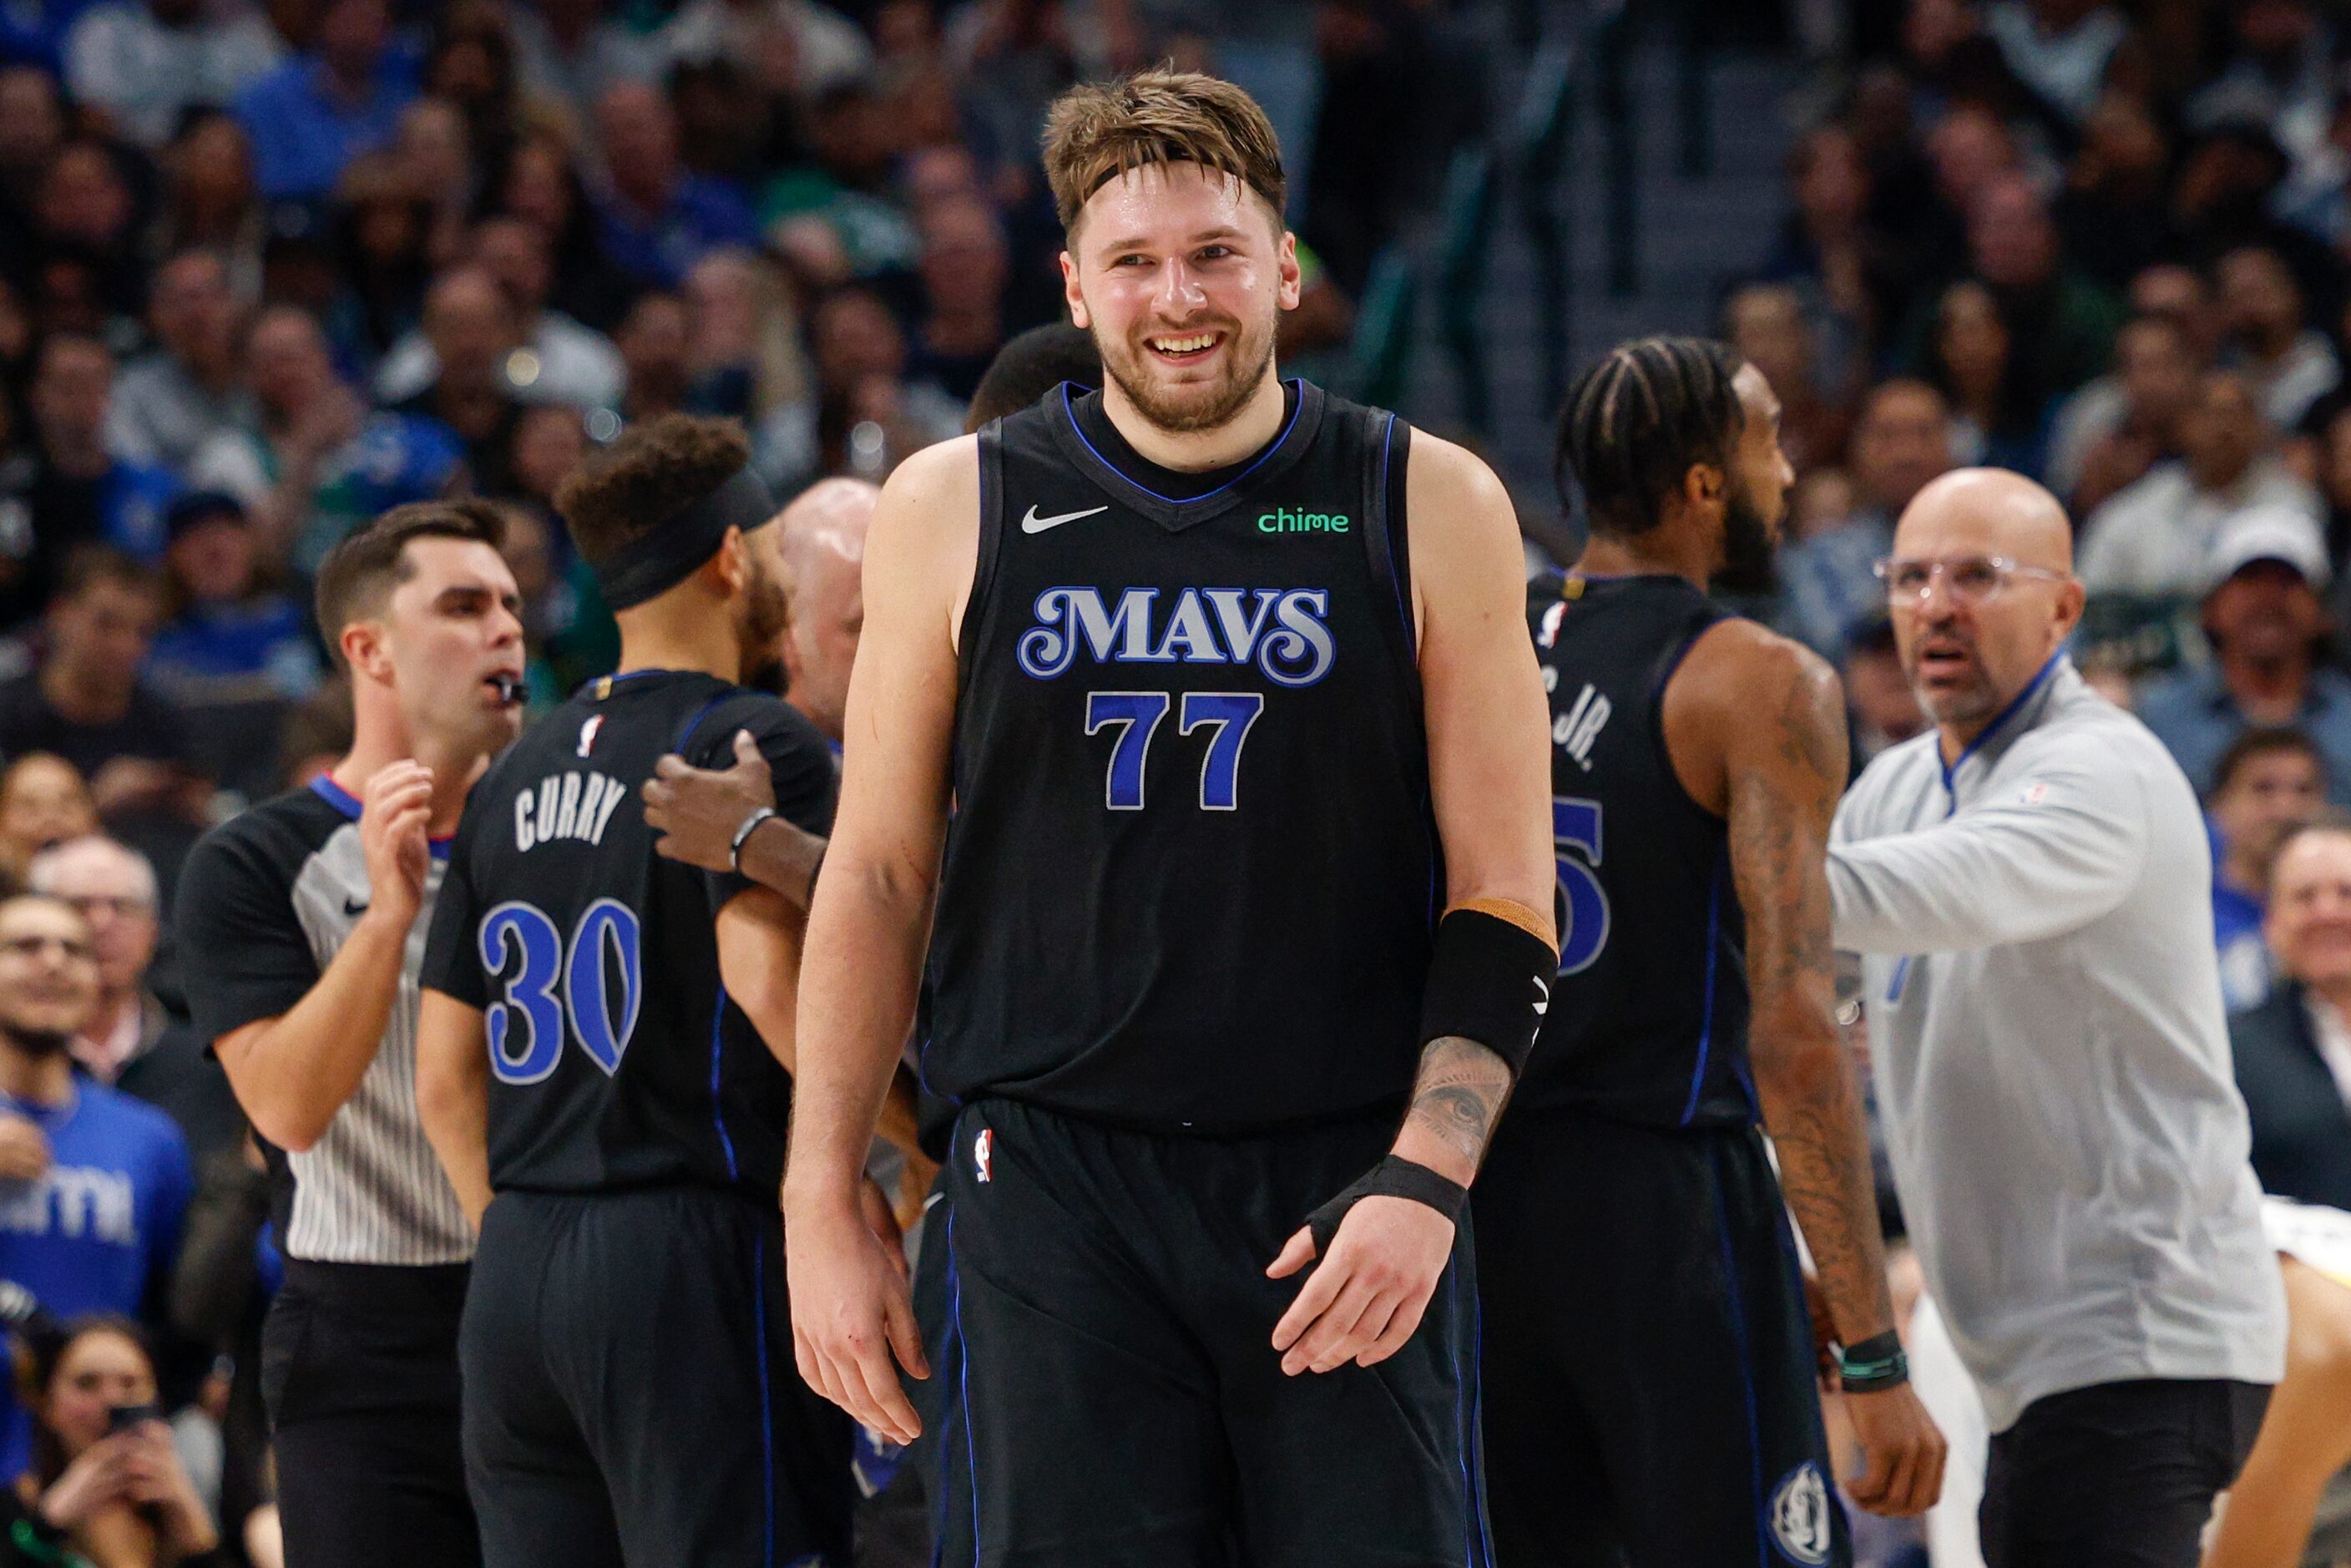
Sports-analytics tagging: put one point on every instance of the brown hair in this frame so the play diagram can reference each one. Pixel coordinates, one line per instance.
(647, 477)
(360, 572)
(2262, 740)
(88, 566)
(1095, 134)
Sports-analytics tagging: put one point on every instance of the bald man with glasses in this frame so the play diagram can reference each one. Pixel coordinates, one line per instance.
(2030, 886)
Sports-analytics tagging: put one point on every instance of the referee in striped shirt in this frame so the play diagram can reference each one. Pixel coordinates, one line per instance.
(304, 923)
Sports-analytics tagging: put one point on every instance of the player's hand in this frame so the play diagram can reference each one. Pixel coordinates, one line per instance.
(24, 1150)
(851, 1310)
(698, 810)
(394, 806)
(1902, 1453)
(1364, 1301)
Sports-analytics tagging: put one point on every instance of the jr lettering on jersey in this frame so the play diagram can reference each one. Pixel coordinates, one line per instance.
(74, 1201)
(1282, 631)
(569, 805)
(1574, 730)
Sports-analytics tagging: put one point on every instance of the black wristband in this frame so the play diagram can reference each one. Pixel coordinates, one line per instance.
(1393, 1176)
(1489, 980)
(1876, 1364)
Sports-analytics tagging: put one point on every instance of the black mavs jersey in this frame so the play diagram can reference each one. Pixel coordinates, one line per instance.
(1647, 1022)
(616, 1058)
(1191, 876)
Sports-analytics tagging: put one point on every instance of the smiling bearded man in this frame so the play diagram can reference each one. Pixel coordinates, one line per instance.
(1220, 748)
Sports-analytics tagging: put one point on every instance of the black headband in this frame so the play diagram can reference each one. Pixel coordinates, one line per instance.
(656, 561)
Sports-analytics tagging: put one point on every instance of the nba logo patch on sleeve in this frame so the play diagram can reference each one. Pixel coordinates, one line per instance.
(983, 1148)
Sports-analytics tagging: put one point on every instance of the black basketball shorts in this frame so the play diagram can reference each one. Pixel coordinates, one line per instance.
(1112, 1396)
(1650, 1389)
(631, 1396)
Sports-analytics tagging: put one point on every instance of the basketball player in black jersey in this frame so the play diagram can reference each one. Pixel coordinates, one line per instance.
(1223, 681)
(605, 1042)
(1650, 1393)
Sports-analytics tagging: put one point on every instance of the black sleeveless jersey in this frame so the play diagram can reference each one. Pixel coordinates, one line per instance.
(616, 1058)
(1647, 1022)
(1189, 880)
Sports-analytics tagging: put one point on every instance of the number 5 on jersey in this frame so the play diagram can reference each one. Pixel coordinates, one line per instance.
(600, 971)
(1575, 835)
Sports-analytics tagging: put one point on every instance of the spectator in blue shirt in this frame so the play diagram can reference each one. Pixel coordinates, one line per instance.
(2267, 624)
(318, 111)
(93, 1183)
(655, 217)
(228, 640)
(2268, 782)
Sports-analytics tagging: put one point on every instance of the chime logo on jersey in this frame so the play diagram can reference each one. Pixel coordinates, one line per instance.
(1281, 630)
(982, 1148)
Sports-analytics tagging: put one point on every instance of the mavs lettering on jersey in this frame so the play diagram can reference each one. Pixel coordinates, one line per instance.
(1284, 631)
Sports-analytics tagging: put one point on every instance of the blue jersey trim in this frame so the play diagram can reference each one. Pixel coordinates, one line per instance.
(1395, 581)
(1706, 1029)
(1950, 784)
(1746, 1360)
(1477, 1422)
(718, 1107)
(1462, 1407)
(1070, 409)
(343, 800)
(767, 1416)
(963, 1380)
(1999, 721)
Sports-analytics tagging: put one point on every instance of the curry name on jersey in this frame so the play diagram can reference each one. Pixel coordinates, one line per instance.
(616, 1058)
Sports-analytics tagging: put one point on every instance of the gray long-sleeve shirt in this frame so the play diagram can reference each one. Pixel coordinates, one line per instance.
(2049, 1053)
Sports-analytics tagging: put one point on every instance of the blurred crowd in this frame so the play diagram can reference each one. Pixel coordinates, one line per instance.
(268, 269)
(2108, 245)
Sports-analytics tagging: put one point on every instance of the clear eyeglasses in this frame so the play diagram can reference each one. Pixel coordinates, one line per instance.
(1968, 580)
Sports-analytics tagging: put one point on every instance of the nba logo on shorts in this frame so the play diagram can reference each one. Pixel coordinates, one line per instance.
(981, 1148)
(1800, 1515)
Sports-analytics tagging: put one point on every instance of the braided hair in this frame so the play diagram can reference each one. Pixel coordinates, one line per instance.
(1637, 421)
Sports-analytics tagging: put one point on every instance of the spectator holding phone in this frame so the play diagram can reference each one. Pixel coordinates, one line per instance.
(105, 1485)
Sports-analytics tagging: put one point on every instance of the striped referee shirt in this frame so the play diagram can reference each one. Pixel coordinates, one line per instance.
(266, 902)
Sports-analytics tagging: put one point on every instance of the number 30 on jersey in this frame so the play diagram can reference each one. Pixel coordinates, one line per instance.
(1575, 836)
(600, 970)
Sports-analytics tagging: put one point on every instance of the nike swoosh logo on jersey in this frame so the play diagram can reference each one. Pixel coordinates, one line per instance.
(352, 909)
(1033, 524)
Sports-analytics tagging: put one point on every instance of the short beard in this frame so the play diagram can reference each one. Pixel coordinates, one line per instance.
(1183, 419)
(1748, 548)
(759, 633)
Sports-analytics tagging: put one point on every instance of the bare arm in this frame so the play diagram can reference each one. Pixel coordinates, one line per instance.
(759, 939)
(1783, 764)
(867, 930)
(1489, 779)
(452, 1095)
(1488, 762)
(1760, 722)
(293, 1072)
